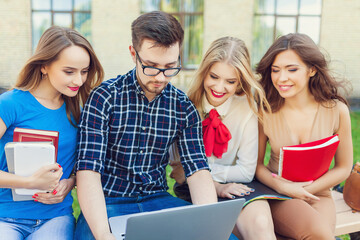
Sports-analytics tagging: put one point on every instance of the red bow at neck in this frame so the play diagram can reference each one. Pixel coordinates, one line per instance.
(216, 135)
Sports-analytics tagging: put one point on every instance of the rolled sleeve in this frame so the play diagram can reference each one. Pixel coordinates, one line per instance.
(93, 131)
(190, 144)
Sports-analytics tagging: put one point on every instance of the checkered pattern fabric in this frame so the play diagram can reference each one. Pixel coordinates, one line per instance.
(126, 138)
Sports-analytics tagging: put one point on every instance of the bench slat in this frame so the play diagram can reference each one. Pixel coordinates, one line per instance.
(346, 220)
(341, 206)
(337, 195)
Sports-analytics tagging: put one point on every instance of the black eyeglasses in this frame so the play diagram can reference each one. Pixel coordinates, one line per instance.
(154, 71)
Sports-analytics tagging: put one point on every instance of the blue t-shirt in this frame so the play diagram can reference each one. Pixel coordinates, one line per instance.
(21, 109)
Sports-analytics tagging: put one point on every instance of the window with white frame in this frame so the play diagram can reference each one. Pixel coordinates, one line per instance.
(273, 18)
(190, 14)
(74, 14)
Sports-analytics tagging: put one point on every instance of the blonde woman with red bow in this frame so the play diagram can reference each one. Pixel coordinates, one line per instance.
(223, 92)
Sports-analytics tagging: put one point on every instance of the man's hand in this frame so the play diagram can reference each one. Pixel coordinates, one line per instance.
(202, 188)
(107, 236)
(92, 203)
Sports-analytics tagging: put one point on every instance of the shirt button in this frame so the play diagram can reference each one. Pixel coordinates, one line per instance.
(143, 128)
(141, 151)
(140, 188)
(142, 92)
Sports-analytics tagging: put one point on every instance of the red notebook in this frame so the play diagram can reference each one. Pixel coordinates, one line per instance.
(35, 135)
(308, 161)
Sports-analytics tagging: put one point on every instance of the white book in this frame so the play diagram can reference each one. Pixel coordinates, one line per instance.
(24, 159)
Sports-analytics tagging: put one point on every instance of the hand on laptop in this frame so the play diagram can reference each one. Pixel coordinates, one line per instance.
(107, 236)
(231, 190)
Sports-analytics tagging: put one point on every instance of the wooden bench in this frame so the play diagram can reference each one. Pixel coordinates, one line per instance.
(346, 220)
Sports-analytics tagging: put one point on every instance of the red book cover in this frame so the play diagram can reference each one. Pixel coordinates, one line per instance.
(308, 161)
(35, 135)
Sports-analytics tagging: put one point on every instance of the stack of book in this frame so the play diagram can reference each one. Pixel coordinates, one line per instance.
(30, 150)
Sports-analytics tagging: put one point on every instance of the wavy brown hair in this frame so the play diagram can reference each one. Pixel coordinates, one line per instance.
(52, 42)
(323, 86)
(234, 52)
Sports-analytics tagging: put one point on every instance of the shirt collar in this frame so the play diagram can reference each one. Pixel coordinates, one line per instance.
(223, 109)
(135, 82)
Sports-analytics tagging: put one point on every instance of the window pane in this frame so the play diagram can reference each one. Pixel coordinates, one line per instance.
(82, 5)
(40, 21)
(263, 35)
(265, 6)
(193, 5)
(287, 7)
(82, 24)
(285, 25)
(193, 41)
(63, 5)
(62, 19)
(149, 5)
(171, 6)
(310, 7)
(311, 27)
(40, 4)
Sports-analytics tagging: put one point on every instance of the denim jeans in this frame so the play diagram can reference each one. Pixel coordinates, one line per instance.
(59, 228)
(124, 205)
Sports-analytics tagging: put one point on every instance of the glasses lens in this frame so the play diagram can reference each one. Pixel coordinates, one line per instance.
(171, 72)
(151, 71)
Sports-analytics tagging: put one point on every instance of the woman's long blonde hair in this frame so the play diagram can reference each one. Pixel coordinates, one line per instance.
(232, 51)
(52, 42)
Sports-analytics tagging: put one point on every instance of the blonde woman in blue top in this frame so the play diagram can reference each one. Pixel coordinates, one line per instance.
(47, 96)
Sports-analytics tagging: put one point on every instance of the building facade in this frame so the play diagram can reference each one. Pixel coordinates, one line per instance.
(333, 24)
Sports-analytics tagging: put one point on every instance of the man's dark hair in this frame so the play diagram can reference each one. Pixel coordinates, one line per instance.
(158, 26)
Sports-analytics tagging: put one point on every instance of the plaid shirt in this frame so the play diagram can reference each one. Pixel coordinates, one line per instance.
(126, 138)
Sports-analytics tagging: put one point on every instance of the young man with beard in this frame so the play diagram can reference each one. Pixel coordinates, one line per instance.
(127, 127)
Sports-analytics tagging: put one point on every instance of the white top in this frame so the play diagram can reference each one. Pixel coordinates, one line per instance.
(238, 164)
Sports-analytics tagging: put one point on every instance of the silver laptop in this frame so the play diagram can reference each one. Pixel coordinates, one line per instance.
(195, 222)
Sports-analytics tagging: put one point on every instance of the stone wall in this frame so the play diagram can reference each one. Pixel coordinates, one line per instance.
(15, 39)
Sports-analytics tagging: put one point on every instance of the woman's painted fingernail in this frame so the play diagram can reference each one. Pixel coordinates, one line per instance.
(54, 192)
(36, 200)
(247, 192)
(232, 196)
(34, 196)
(59, 165)
(241, 194)
(273, 174)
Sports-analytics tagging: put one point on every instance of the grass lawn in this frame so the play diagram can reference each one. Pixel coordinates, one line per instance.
(355, 130)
